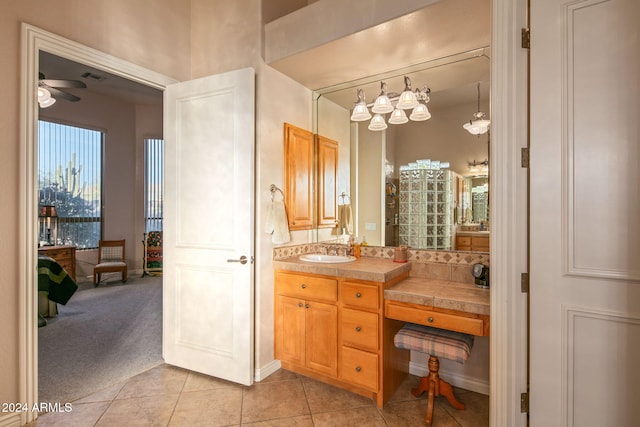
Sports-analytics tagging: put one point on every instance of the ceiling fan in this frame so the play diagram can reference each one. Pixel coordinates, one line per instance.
(50, 90)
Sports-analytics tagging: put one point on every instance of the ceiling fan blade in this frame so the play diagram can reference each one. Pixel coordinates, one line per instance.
(64, 83)
(57, 93)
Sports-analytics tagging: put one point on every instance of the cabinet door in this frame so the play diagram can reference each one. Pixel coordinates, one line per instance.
(322, 337)
(290, 329)
(327, 175)
(298, 151)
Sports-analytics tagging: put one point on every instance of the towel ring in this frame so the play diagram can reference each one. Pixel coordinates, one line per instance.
(273, 188)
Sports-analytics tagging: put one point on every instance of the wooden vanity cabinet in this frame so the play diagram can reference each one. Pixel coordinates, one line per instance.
(306, 323)
(310, 165)
(333, 329)
(472, 243)
(298, 190)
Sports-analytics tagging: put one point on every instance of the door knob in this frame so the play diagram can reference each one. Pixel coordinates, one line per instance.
(243, 260)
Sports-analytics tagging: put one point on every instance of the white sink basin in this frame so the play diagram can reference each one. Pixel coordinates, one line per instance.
(326, 259)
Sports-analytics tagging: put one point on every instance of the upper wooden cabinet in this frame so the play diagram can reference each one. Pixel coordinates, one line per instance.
(327, 187)
(300, 171)
(298, 190)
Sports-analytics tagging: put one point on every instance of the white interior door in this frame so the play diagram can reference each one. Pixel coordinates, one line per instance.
(209, 225)
(585, 213)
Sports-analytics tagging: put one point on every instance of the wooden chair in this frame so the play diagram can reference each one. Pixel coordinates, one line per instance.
(111, 259)
(436, 343)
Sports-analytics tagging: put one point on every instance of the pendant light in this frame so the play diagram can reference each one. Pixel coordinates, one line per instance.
(383, 103)
(360, 110)
(478, 125)
(377, 123)
(408, 99)
(398, 117)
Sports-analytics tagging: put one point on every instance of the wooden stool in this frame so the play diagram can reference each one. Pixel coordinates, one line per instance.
(436, 343)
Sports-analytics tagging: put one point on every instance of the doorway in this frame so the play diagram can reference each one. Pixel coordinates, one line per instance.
(35, 42)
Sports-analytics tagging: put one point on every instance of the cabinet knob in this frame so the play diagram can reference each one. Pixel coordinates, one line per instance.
(358, 369)
(430, 320)
(358, 295)
(303, 286)
(306, 306)
(358, 328)
(299, 304)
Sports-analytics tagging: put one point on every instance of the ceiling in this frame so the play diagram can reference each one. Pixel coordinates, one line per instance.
(101, 82)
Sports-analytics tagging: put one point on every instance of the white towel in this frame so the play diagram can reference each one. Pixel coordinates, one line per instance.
(345, 219)
(277, 223)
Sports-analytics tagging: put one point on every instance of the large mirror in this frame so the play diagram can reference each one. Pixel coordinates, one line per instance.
(421, 183)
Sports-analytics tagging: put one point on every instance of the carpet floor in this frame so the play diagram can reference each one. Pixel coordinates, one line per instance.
(102, 336)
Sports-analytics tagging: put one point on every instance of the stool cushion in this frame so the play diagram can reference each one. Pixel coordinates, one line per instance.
(435, 341)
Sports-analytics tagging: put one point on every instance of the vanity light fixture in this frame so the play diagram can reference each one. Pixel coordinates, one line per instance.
(478, 125)
(393, 103)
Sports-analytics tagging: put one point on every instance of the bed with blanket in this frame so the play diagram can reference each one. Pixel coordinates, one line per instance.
(54, 286)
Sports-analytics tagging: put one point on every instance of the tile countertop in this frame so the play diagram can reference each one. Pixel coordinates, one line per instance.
(472, 233)
(364, 268)
(442, 294)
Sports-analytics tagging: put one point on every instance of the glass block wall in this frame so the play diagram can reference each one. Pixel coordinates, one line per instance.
(426, 205)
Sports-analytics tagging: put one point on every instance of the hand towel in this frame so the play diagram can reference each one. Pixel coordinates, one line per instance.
(345, 219)
(277, 223)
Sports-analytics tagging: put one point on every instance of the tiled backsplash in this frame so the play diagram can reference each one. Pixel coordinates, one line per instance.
(442, 265)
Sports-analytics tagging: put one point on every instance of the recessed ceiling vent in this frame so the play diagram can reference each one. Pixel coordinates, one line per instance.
(94, 77)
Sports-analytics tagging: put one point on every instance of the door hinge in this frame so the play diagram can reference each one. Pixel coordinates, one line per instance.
(524, 157)
(524, 402)
(524, 283)
(525, 38)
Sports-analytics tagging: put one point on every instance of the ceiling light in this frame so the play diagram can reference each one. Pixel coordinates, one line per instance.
(398, 117)
(408, 99)
(44, 98)
(420, 113)
(360, 110)
(383, 103)
(478, 125)
(377, 123)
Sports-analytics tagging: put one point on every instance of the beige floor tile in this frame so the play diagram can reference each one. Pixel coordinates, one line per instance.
(199, 382)
(219, 407)
(357, 417)
(302, 421)
(324, 397)
(274, 400)
(164, 379)
(81, 415)
(476, 413)
(104, 395)
(414, 413)
(139, 411)
(403, 393)
(280, 375)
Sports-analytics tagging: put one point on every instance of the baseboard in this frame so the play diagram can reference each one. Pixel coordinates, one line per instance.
(455, 379)
(10, 420)
(262, 373)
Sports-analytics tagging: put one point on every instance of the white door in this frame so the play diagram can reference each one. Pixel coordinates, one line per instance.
(585, 213)
(209, 225)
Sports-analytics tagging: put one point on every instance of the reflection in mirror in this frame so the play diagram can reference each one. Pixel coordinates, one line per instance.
(437, 150)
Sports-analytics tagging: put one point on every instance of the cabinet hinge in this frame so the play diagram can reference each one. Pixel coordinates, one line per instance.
(524, 283)
(524, 402)
(524, 157)
(525, 38)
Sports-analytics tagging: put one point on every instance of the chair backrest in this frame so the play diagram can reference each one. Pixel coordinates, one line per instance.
(111, 250)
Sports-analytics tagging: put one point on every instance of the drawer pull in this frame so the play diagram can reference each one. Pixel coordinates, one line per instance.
(358, 328)
(358, 369)
(430, 320)
(303, 286)
(358, 295)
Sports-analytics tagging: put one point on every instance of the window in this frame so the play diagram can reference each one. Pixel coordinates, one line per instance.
(154, 173)
(70, 178)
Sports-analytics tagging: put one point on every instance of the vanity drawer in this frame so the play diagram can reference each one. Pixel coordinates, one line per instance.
(301, 286)
(360, 295)
(467, 325)
(360, 368)
(360, 329)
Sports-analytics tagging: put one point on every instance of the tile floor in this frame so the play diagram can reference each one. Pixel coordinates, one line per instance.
(170, 396)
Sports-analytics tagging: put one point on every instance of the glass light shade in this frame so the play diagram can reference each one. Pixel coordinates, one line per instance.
(382, 105)
(398, 117)
(43, 94)
(407, 100)
(47, 103)
(420, 113)
(478, 125)
(377, 123)
(360, 112)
